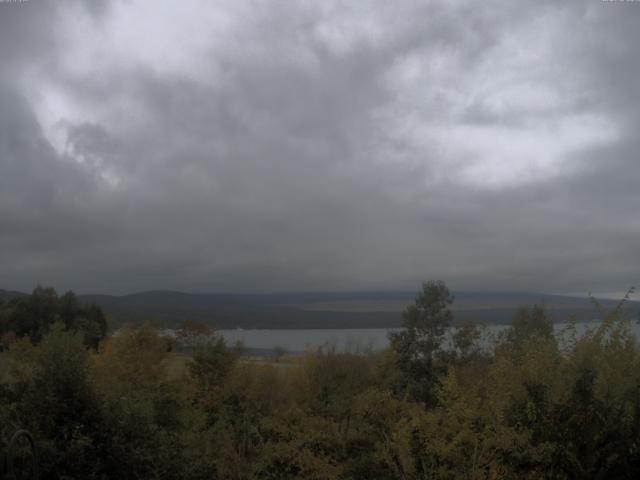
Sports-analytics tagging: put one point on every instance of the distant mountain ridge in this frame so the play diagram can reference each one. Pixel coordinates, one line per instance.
(322, 309)
(7, 294)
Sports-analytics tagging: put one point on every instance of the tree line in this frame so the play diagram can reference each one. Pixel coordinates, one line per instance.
(32, 316)
(439, 403)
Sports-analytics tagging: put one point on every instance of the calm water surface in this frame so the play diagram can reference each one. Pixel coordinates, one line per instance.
(356, 339)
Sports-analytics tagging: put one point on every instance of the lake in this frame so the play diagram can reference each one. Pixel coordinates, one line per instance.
(345, 339)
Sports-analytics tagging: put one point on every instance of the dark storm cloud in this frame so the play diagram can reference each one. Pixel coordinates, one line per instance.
(295, 146)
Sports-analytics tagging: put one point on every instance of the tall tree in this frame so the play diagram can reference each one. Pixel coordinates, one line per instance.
(416, 345)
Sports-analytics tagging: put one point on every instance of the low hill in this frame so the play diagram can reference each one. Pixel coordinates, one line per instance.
(328, 310)
(8, 294)
(323, 309)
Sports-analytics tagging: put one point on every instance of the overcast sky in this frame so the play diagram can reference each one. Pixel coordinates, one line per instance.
(257, 146)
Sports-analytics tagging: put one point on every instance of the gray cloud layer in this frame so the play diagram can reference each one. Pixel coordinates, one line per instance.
(317, 145)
